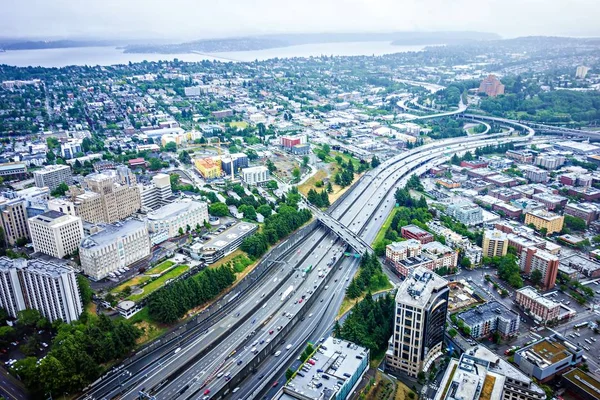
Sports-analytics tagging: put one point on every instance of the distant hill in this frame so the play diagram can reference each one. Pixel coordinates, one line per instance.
(14, 44)
(284, 40)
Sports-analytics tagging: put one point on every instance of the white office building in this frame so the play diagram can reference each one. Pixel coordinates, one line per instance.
(255, 175)
(52, 176)
(34, 284)
(55, 233)
(114, 247)
(467, 213)
(179, 214)
(71, 148)
(156, 194)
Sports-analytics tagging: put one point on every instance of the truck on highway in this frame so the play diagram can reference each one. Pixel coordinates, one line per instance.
(287, 292)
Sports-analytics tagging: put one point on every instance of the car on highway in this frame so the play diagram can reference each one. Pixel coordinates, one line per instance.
(271, 332)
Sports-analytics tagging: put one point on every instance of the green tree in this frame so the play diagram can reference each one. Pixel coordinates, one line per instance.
(28, 318)
(171, 146)
(375, 162)
(296, 173)
(288, 374)
(465, 262)
(155, 164)
(84, 289)
(60, 190)
(185, 158)
(305, 161)
(536, 277)
(272, 185)
(218, 210)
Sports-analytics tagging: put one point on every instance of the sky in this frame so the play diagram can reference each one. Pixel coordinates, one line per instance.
(180, 20)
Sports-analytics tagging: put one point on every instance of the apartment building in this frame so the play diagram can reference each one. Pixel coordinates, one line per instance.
(156, 194)
(542, 308)
(587, 211)
(113, 247)
(71, 148)
(545, 219)
(550, 162)
(480, 374)
(420, 318)
(256, 176)
(55, 233)
(34, 284)
(533, 258)
(399, 251)
(209, 167)
(491, 86)
(495, 243)
(52, 176)
(179, 214)
(490, 317)
(467, 213)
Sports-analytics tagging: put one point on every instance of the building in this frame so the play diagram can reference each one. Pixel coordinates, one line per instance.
(399, 251)
(581, 384)
(13, 170)
(55, 233)
(548, 357)
(288, 142)
(256, 176)
(543, 309)
(551, 201)
(34, 284)
(71, 148)
(490, 317)
(301, 149)
(535, 174)
(113, 247)
(491, 86)
(178, 215)
(17, 207)
(581, 72)
(414, 232)
(586, 211)
(550, 162)
(420, 318)
(233, 163)
(342, 365)
(467, 213)
(542, 219)
(52, 176)
(495, 243)
(522, 156)
(222, 114)
(577, 264)
(111, 197)
(156, 194)
(480, 374)
(533, 258)
(209, 167)
(223, 244)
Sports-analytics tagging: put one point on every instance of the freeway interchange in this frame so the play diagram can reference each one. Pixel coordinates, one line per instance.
(235, 352)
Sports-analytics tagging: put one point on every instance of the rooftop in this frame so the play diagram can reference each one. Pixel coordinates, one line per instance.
(536, 296)
(584, 381)
(486, 312)
(543, 214)
(548, 351)
(110, 232)
(229, 235)
(174, 209)
(35, 266)
(419, 286)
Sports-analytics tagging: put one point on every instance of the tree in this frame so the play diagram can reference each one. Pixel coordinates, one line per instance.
(272, 168)
(305, 161)
(375, 162)
(544, 231)
(7, 335)
(60, 190)
(536, 277)
(3, 316)
(28, 318)
(465, 262)
(296, 172)
(181, 231)
(52, 143)
(155, 164)
(248, 211)
(185, 158)
(84, 289)
(22, 241)
(288, 374)
(575, 223)
(272, 185)
(171, 146)
(329, 187)
(218, 210)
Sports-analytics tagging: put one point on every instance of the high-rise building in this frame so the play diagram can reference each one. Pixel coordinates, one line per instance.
(52, 176)
(495, 243)
(113, 247)
(480, 374)
(491, 86)
(255, 175)
(545, 219)
(17, 207)
(581, 72)
(533, 258)
(156, 194)
(55, 233)
(47, 287)
(418, 337)
(177, 215)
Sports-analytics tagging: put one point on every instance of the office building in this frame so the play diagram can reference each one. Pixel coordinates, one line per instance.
(545, 219)
(222, 244)
(533, 258)
(543, 309)
(233, 164)
(178, 215)
(156, 194)
(491, 86)
(490, 317)
(52, 176)
(209, 167)
(288, 141)
(113, 247)
(480, 374)
(17, 207)
(256, 176)
(342, 365)
(34, 284)
(420, 318)
(71, 148)
(414, 232)
(581, 72)
(13, 170)
(495, 243)
(548, 357)
(467, 213)
(55, 233)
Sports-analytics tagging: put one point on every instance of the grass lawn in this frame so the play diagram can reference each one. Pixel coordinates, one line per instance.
(239, 124)
(159, 282)
(160, 268)
(348, 303)
(402, 391)
(135, 281)
(310, 183)
(151, 330)
(385, 226)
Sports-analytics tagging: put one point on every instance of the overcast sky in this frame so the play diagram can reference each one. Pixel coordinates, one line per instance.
(195, 19)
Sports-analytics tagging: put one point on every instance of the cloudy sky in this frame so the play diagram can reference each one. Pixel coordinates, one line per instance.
(195, 19)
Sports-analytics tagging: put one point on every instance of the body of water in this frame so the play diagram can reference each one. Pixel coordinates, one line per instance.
(111, 55)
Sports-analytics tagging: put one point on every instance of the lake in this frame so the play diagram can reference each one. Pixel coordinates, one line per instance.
(112, 55)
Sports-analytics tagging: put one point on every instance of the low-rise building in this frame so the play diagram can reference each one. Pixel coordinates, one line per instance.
(209, 167)
(490, 317)
(581, 384)
(222, 244)
(467, 213)
(177, 216)
(541, 308)
(548, 357)
(55, 233)
(257, 176)
(542, 219)
(414, 232)
(587, 211)
(114, 247)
